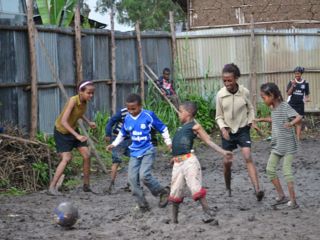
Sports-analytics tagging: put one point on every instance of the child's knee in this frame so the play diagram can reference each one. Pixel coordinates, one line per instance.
(200, 194)
(287, 173)
(271, 173)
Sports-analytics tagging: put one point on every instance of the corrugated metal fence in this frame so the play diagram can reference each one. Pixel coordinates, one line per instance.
(202, 55)
(56, 57)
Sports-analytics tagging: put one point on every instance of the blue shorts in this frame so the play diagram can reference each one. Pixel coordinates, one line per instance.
(241, 138)
(121, 149)
(66, 142)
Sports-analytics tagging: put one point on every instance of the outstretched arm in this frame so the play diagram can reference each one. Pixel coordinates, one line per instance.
(203, 135)
(266, 119)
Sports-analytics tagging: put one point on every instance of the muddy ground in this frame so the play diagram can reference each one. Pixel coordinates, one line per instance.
(240, 217)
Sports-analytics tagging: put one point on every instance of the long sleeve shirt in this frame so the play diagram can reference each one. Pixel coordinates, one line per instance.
(139, 130)
(234, 111)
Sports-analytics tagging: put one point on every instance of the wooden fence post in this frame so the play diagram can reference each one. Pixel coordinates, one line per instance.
(140, 57)
(173, 42)
(113, 64)
(77, 29)
(253, 66)
(34, 87)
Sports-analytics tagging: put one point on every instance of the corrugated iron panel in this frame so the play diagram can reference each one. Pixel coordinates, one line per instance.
(46, 56)
(203, 56)
(87, 56)
(66, 58)
(101, 61)
(7, 60)
(48, 109)
(22, 57)
(126, 60)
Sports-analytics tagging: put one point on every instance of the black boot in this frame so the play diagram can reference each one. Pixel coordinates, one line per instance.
(164, 195)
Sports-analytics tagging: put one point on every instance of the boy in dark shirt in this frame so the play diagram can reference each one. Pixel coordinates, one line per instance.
(186, 167)
(298, 92)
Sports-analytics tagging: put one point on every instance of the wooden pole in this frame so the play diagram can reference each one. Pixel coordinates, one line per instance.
(33, 70)
(113, 64)
(173, 41)
(77, 29)
(140, 57)
(253, 66)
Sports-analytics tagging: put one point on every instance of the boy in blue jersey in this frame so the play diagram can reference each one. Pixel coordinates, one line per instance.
(138, 124)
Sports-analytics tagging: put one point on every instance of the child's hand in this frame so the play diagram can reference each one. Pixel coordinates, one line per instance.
(82, 138)
(229, 155)
(288, 125)
(109, 147)
(225, 134)
(92, 125)
(293, 82)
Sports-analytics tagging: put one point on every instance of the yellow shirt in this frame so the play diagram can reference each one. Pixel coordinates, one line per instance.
(77, 112)
(234, 110)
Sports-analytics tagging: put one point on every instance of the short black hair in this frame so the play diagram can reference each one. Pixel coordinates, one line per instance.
(299, 69)
(133, 97)
(166, 70)
(271, 89)
(190, 107)
(232, 68)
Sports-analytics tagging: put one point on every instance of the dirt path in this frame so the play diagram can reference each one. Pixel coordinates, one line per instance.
(240, 217)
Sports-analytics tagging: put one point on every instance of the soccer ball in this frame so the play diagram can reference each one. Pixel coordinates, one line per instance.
(66, 214)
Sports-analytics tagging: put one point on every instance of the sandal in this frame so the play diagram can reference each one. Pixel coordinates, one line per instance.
(293, 205)
(280, 201)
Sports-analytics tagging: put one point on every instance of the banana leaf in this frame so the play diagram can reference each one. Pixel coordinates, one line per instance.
(56, 12)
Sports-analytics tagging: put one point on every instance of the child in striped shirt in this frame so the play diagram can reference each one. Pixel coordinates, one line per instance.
(284, 142)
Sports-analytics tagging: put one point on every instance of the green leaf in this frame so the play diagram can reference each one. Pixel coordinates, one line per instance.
(44, 10)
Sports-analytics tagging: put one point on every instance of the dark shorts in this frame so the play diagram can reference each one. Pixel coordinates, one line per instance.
(241, 138)
(66, 142)
(299, 108)
(120, 150)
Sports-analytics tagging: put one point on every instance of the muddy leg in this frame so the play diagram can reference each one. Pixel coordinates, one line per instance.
(175, 212)
(208, 215)
(298, 130)
(278, 187)
(84, 151)
(227, 174)
(66, 157)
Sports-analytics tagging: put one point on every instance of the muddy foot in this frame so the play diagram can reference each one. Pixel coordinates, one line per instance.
(260, 195)
(208, 217)
(54, 192)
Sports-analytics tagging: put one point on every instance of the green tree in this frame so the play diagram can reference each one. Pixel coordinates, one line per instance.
(152, 14)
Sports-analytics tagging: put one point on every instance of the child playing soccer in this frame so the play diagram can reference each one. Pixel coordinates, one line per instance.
(284, 142)
(234, 116)
(186, 168)
(112, 129)
(298, 92)
(138, 124)
(67, 136)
